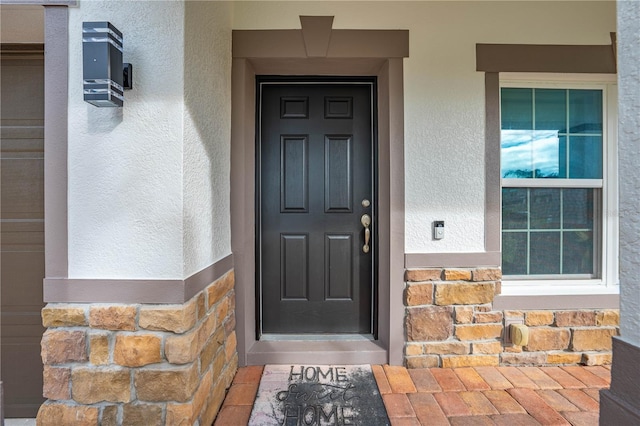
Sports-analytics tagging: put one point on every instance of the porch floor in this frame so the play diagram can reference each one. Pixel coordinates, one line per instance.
(511, 396)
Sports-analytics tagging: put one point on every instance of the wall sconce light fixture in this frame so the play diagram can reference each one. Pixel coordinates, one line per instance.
(105, 77)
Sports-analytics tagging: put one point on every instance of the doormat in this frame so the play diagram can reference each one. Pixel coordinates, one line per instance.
(318, 395)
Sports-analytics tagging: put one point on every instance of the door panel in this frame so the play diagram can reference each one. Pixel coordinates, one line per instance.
(338, 266)
(22, 233)
(316, 167)
(294, 261)
(295, 174)
(337, 174)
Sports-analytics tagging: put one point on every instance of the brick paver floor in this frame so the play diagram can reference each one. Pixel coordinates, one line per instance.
(510, 396)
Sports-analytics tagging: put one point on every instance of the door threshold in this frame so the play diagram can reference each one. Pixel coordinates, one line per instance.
(321, 352)
(273, 337)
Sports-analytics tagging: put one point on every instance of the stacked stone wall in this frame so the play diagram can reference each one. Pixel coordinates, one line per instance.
(111, 364)
(450, 322)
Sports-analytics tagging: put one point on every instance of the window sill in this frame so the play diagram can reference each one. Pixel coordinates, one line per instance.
(528, 297)
(577, 288)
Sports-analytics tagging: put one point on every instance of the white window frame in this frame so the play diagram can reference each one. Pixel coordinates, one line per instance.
(608, 282)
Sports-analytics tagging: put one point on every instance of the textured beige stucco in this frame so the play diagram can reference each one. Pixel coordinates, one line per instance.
(149, 182)
(207, 133)
(125, 164)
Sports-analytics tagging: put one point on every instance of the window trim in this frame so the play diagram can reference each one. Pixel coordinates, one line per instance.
(608, 282)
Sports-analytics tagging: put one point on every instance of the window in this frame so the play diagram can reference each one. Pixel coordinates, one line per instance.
(558, 182)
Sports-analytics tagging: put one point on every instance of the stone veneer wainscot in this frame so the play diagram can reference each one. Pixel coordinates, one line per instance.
(112, 364)
(449, 322)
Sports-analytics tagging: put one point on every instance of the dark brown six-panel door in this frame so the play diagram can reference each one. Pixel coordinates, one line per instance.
(316, 156)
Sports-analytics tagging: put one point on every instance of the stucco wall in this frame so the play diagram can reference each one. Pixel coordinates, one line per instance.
(149, 183)
(207, 131)
(21, 24)
(629, 146)
(444, 95)
(125, 164)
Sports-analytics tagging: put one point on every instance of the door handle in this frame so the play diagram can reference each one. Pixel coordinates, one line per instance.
(366, 222)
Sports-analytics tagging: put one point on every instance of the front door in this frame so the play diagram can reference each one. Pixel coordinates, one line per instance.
(316, 207)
